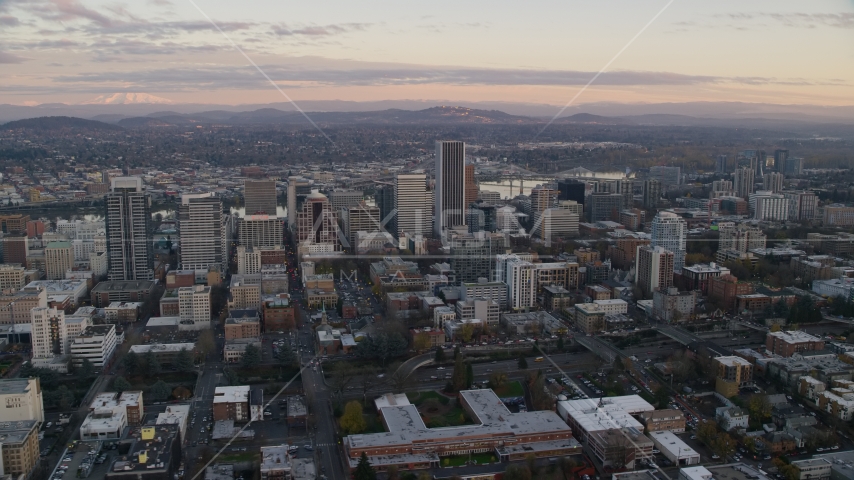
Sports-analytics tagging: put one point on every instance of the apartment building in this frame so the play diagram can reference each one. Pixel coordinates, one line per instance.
(732, 373)
(788, 343)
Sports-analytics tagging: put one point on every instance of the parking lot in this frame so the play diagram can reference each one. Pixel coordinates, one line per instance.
(86, 459)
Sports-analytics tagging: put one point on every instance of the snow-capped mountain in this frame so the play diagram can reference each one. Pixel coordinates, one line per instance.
(127, 98)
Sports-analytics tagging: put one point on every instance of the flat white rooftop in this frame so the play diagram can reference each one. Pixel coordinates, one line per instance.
(238, 394)
(794, 336)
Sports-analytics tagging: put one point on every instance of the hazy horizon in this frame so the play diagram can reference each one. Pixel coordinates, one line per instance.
(74, 51)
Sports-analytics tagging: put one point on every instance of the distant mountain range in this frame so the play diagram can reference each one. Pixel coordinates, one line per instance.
(59, 124)
(836, 122)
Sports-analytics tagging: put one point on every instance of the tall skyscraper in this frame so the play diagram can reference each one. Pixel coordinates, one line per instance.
(412, 201)
(743, 182)
(740, 238)
(203, 241)
(773, 182)
(473, 255)
(450, 186)
(521, 284)
(670, 231)
(569, 189)
(260, 231)
(654, 270)
(802, 205)
(317, 224)
(292, 202)
(651, 193)
(259, 196)
(345, 198)
(793, 166)
(49, 333)
(605, 206)
(471, 189)
(482, 217)
(721, 164)
(298, 187)
(359, 218)
(767, 205)
(384, 200)
(130, 252)
(780, 157)
(58, 258)
(666, 175)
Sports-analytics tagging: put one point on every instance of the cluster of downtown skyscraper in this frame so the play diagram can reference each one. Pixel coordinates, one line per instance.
(407, 211)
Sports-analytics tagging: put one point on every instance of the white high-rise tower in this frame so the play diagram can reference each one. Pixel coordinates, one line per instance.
(670, 232)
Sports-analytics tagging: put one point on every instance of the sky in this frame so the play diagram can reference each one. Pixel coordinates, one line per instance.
(539, 51)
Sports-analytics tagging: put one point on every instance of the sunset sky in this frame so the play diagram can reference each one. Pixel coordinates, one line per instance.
(782, 51)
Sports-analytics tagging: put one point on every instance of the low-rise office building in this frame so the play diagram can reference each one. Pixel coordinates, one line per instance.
(239, 403)
(234, 350)
(410, 444)
(154, 454)
(164, 352)
(674, 449)
(97, 343)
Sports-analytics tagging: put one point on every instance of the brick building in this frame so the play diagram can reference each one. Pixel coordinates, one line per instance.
(278, 313)
(242, 324)
(726, 290)
(788, 343)
(105, 293)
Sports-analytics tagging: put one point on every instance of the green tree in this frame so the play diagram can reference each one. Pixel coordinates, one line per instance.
(231, 376)
(131, 362)
(662, 397)
(251, 357)
(382, 346)
(517, 472)
(152, 364)
(286, 356)
(86, 370)
(467, 332)
(522, 363)
(723, 444)
(759, 407)
(159, 391)
(440, 355)
(121, 385)
(469, 375)
(459, 378)
(392, 472)
(184, 361)
(66, 397)
(206, 343)
(706, 431)
(497, 380)
(352, 421)
(560, 345)
(364, 470)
